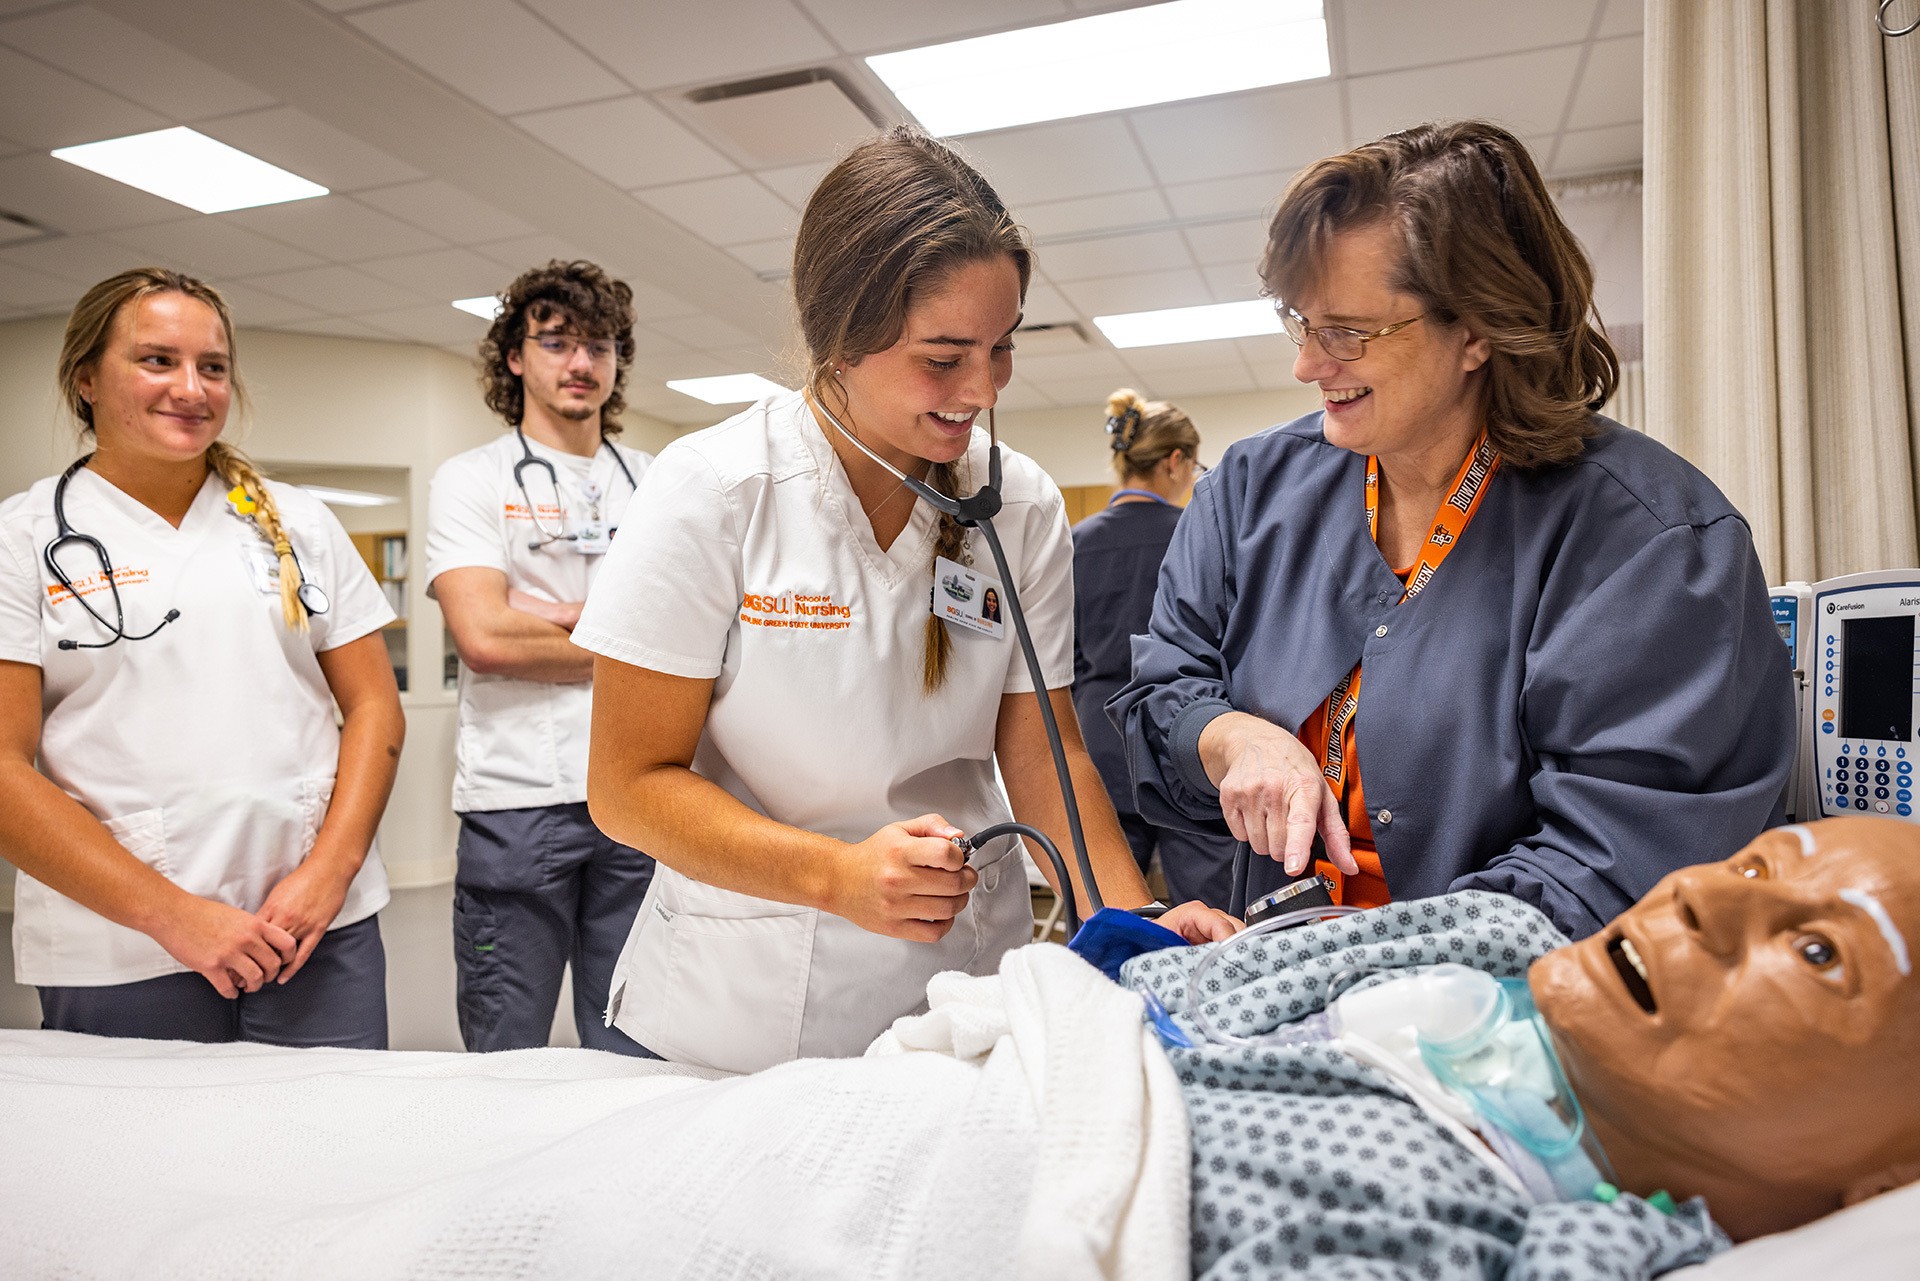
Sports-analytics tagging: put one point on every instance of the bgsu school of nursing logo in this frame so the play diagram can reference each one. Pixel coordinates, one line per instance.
(800, 611)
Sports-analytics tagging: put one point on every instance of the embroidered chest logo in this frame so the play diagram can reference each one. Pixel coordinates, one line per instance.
(800, 611)
(88, 584)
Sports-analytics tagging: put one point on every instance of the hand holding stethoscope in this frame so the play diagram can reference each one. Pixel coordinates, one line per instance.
(528, 459)
(312, 597)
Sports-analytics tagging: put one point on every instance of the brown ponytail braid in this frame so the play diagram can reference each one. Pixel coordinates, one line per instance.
(951, 542)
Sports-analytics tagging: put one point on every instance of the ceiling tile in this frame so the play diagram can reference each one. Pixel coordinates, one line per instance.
(212, 247)
(316, 151)
(628, 141)
(257, 309)
(1233, 281)
(1385, 35)
(1242, 133)
(1253, 194)
(521, 252)
(1093, 213)
(656, 45)
(650, 342)
(1622, 18)
(1062, 161)
(133, 64)
(335, 327)
(650, 303)
(704, 331)
(1080, 391)
(1526, 92)
(1045, 305)
(1116, 255)
(337, 290)
(1215, 380)
(1094, 362)
(1021, 394)
(446, 211)
(766, 256)
(680, 364)
(43, 108)
(68, 198)
(1610, 91)
(865, 26)
(493, 51)
(1597, 150)
(22, 289)
(1278, 376)
(725, 211)
(1215, 243)
(441, 273)
(79, 259)
(1182, 355)
(1272, 351)
(1148, 291)
(794, 183)
(435, 325)
(336, 227)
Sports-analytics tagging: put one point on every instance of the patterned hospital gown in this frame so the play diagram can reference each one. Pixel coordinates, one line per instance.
(1307, 1163)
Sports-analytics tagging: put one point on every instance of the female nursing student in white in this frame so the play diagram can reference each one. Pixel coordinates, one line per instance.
(196, 844)
(774, 695)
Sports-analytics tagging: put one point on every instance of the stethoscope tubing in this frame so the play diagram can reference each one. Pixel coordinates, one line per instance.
(530, 459)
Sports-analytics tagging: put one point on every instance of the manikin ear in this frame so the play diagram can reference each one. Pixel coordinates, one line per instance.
(1872, 1185)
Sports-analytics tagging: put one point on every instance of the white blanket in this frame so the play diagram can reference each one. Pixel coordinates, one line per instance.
(1027, 1125)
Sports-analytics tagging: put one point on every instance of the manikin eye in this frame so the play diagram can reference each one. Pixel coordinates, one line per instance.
(1751, 866)
(1817, 951)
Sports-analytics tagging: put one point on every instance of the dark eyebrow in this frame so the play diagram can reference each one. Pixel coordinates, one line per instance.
(967, 342)
(167, 349)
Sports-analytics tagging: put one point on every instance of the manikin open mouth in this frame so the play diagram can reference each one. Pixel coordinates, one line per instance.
(1633, 971)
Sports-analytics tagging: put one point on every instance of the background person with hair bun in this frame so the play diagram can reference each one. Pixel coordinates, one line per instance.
(1545, 638)
(779, 716)
(196, 842)
(1116, 563)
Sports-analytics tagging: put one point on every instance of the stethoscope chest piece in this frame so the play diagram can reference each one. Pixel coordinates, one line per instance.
(313, 598)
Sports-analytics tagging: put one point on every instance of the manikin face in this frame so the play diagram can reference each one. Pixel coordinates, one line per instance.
(918, 399)
(162, 385)
(562, 373)
(1749, 1030)
(1412, 390)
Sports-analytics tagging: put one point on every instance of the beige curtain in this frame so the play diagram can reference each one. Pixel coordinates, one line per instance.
(1783, 271)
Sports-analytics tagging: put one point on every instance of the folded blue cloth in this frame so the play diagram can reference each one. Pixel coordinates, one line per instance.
(1112, 937)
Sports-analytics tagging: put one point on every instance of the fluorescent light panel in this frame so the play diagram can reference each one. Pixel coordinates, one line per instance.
(486, 307)
(191, 169)
(1191, 324)
(1108, 62)
(349, 497)
(727, 389)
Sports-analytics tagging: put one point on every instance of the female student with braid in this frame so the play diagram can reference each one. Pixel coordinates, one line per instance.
(194, 832)
(779, 717)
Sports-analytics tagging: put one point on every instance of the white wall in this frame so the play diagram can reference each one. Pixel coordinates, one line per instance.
(321, 402)
(1071, 444)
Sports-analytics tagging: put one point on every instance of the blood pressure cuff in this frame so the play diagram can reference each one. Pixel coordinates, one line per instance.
(1112, 937)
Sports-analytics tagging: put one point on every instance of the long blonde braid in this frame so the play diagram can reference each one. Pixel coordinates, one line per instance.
(233, 468)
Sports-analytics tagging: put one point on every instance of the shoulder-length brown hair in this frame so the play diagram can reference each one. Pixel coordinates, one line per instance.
(593, 305)
(893, 219)
(1482, 246)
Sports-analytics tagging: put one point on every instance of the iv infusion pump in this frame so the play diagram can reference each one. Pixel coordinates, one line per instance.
(1855, 646)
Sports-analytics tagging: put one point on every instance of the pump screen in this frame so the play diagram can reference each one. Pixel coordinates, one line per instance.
(1877, 662)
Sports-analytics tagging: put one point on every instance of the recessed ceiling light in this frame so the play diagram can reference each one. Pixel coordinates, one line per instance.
(486, 306)
(191, 169)
(349, 497)
(1191, 324)
(727, 389)
(1108, 62)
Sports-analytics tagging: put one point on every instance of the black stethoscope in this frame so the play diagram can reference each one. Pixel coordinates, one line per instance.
(312, 597)
(529, 459)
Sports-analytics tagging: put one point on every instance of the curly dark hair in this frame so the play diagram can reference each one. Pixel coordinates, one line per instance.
(590, 302)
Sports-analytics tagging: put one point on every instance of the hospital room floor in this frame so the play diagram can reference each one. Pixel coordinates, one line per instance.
(417, 927)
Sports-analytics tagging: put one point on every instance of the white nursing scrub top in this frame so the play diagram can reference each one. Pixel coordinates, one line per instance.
(523, 743)
(753, 564)
(209, 749)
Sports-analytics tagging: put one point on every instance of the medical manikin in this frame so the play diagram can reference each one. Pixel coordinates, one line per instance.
(1443, 1087)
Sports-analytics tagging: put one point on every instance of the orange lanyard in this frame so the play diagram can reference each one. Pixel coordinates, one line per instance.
(1463, 499)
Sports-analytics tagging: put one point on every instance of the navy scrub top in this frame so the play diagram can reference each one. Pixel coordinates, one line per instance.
(1116, 563)
(1590, 693)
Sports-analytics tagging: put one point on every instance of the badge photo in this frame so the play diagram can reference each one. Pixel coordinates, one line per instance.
(968, 599)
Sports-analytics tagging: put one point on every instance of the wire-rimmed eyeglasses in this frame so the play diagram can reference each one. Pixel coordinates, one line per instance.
(1336, 340)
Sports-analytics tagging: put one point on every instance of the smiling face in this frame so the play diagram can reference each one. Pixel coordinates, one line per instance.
(162, 384)
(1412, 391)
(918, 399)
(1748, 1030)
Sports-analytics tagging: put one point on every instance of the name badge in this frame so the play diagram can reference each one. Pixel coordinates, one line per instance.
(592, 537)
(262, 566)
(968, 599)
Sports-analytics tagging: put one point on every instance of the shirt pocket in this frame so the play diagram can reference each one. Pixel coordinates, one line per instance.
(316, 796)
(61, 941)
(725, 992)
(507, 739)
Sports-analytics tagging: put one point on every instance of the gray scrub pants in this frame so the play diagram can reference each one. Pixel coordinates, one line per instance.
(339, 998)
(536, 889)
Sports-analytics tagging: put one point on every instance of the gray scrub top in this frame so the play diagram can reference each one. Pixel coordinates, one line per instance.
(1589, 693)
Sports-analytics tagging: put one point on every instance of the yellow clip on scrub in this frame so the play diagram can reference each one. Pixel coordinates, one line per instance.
(242, 501)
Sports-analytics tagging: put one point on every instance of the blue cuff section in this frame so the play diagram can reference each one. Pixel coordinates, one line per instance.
(1183, 743)
(1112, 937)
